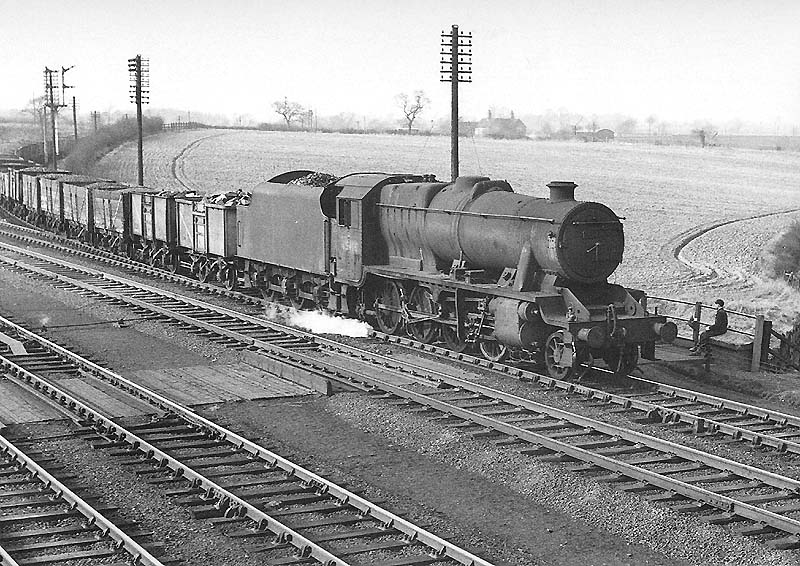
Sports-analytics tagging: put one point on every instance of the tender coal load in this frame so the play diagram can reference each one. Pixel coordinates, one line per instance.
(314, 180)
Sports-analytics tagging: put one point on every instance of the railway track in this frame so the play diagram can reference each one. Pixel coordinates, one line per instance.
(288, 513)
(42, 521)
(673, 406)
(721, 490)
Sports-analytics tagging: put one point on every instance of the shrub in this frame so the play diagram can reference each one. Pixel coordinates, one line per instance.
(90, 148)
(786, 251)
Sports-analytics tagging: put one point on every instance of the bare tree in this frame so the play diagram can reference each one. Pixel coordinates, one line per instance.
(651, 119)
(627, 126)
(289, 110)
(412, 107)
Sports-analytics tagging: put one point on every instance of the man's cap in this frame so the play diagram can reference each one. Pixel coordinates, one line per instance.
(719, 302)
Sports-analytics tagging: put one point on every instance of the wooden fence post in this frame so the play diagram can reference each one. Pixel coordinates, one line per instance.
(758, 344)
(698, 312)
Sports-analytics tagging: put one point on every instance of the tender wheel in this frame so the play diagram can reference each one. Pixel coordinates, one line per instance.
(422, 304)
(554, 351)
(271, 295)
(323, 293)
(451, 339)
(622, 361)
(493, 350)
(301, 303)
(388, 313)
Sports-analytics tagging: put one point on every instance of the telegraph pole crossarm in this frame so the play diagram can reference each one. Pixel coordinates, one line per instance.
(53, 101)
(456, 67)
(139, 72)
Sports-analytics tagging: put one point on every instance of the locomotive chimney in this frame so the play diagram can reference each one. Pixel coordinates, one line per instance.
(561, 191)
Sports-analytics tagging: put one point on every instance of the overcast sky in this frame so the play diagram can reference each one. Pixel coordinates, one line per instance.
(680, 60)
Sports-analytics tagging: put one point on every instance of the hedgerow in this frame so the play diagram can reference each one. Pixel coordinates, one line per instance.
(90, 148)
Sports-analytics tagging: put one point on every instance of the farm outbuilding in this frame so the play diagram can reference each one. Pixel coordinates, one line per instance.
(504, 128)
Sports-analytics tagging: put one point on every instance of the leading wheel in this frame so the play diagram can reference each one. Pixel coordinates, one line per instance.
(421, 304)
(388, 312)
(622, 360)
(557, 354)
(493, 350)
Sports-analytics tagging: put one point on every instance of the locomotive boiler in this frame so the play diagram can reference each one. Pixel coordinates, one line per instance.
(513, 274)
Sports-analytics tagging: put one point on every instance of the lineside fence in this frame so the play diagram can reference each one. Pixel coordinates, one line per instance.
(750, 338)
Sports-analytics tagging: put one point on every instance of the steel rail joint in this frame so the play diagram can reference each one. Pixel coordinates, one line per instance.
(139, 553)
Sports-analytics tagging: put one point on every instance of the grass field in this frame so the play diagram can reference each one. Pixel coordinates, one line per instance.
(661, 191)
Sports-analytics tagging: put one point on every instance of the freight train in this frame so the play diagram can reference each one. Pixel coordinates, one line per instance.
(469, 263)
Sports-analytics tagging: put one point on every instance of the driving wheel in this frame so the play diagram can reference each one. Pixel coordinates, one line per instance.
(422, 305)
(451, 339)
(388, 313)
(493, 350)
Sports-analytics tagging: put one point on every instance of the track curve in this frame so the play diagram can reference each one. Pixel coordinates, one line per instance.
(704, 273)
(177, 166)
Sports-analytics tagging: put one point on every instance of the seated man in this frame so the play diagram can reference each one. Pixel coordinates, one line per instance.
(719, 328)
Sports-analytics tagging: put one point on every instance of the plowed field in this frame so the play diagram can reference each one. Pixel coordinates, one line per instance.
(662, 191)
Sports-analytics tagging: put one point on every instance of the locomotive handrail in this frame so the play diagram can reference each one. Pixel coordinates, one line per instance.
(465, 212)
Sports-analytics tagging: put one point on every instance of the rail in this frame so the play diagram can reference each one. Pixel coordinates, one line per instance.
(755, 341)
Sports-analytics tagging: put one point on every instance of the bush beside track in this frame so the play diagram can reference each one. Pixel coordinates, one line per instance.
(89, 149)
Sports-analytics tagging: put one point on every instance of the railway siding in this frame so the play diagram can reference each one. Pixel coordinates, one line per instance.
(550, 430)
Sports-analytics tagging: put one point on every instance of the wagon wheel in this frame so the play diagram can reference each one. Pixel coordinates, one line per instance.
(422, 303)
(299, 302)
(554, 351)
(451, 340)
(204, 272)
(622, 360)
(171, 261)
(197, 262)
(155, 259)
(493, 350)
(388, 309)
(226, 275)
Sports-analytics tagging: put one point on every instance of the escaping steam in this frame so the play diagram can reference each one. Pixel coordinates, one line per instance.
(317, 322)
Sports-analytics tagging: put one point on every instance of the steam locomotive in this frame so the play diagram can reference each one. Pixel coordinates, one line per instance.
(470, 263)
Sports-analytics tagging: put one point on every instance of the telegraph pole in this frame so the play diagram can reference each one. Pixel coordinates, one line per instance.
(74, 118)
(456, 68)
(94, 120)
(64, 87)
(52, 100)
(139, 73)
